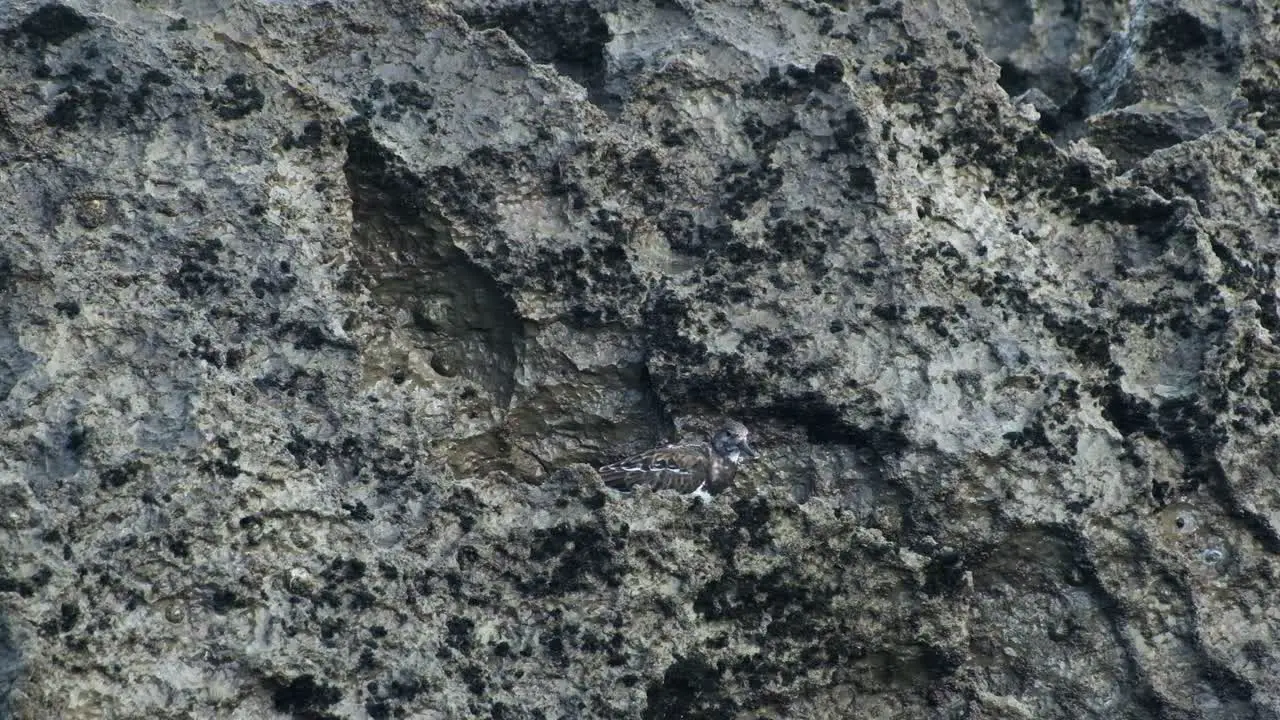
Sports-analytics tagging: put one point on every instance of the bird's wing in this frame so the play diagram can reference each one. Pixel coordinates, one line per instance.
(680, 467)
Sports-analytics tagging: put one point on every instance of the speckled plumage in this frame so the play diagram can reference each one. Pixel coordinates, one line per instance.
(687, 468)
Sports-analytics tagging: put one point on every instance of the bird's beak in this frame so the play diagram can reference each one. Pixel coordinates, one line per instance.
(748, 450)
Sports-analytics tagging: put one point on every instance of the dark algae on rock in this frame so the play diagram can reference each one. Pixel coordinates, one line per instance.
(315, 319)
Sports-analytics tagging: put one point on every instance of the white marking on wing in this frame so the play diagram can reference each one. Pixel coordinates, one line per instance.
(670, 468)
(701, 492)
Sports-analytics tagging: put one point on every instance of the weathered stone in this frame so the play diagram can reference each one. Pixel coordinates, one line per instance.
(314, 317)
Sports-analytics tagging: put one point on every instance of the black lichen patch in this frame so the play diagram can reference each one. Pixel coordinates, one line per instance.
(1264, 99)
(1025, 157)
(828, 71)
(665, 316)
(1150, 215)
(645, 175)
(753, 521)
(77, 439)
(95, 93)
(803, 238)
(345, 571)
(386, 696)
(364, 459)
(794, 607)
(150, 80)
(742, 186)
(358, 511)
(223, 600)
(279, 280)
(1034, 436)
(306, 451)
(8, 583)
(224, 461)
(68, 615)
(304, 384)
(597, 278)
(66, 619)
(392, 101)
(945, 574)
(788, 614)
(568, 556)
(208, 351)
(237, 98)
(1052, 428)
(733, 266)
(304, 697)
(79, 104)
(311, 136)
(473, 677)
(460, 633)
(939, 662)
(53, 24)
(679, 360)
(345, 587)
(198, 274)
(1189, 427)
(570, 36)
(1180, 34)
(1090, 344)
(180, 546)
(411, 94)
(691, 688)
(849, 132)
(793, 82)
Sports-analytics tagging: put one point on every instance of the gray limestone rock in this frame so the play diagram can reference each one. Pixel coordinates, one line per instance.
(314, 318)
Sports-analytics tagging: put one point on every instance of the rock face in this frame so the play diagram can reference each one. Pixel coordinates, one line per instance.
(312, 313)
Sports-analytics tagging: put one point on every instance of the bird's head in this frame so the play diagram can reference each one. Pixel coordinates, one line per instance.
(730, 442)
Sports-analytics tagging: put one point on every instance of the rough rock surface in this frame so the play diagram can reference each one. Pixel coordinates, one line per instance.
(312, 313)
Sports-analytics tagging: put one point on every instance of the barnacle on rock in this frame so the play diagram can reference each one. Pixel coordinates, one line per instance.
(1179, 519)
(1212, 556)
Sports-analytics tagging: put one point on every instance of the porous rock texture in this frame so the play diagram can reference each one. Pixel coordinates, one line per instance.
(314, 315)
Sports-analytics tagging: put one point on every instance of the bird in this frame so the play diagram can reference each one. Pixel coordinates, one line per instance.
(689, 468)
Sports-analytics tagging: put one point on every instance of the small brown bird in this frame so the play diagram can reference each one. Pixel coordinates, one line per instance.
(701, 468)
